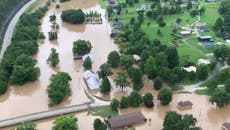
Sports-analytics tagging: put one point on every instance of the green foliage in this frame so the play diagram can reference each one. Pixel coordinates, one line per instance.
(165, 96)
(135, 99)
(175, 121)
(105, 70)
(220, 98)
(202, 72)
(3, 81)
(27, 126)
(65, 123)
(150, 67)
(148, 100)
(81, 47)
(58, 88)
(212, 85)
(124, 102)
(73, 16)
(158, 83)
(103, 111)
(53, 58)
(114, 105)
(136, 77)
(64, 0)
(87, 64)
(114, 59)
(99, 125)
(24, 70)
(122, 80)
(105, 86)
(52, 35)
(227, 86)
(127, 61)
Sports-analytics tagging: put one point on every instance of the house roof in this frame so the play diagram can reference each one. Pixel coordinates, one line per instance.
(126, 120)
(184, 103)
(226, 125)
(205, 37)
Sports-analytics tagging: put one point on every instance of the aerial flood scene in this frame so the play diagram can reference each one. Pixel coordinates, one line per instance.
(114, 65)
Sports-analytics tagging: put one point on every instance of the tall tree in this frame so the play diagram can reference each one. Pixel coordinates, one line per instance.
(220, 98)
(99, 125)
(105, 70)
(114, 105)
(65, 123)
(122, 80)
(114, 59)
(135, 99)
(53, 58)
(87, 64)
(81, 47)
(172, 57)
(165, 96)
(105, 86)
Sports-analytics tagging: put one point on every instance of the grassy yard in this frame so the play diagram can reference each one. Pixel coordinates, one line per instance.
(193, 41)
(185, 52)
(103, 111)
(208, 92)
(102, 4)
(211, 13)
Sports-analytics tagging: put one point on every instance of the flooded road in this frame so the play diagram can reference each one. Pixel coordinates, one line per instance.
(32, 97)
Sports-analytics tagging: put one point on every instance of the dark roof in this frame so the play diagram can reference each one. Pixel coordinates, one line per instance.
(226, 125)
(126, 120)
(184, 103)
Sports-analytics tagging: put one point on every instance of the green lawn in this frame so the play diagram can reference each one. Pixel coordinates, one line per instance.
(33, 6)
(102, 4)
(211, 13)
(208, 92)
(103, 111)
(193, 41)
(185, 52)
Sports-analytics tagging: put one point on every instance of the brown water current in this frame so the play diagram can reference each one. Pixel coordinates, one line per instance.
(32, 97)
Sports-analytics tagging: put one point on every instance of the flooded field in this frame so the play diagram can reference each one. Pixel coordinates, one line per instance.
(32, 97)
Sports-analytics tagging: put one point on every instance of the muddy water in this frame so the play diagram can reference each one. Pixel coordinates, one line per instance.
(32, 97)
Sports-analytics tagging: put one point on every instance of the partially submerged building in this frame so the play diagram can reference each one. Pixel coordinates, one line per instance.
(126, 120)
(226, 126)
(183, 105)
(91, 79)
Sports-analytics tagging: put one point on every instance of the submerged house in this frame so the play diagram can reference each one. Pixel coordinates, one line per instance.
(226, 126)
(126, 120)
(91, 79)
(183, 105)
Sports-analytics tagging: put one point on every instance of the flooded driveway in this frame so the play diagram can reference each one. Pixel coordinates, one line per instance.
(32, 97)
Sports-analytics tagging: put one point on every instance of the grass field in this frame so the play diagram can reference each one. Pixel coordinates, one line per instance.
(211, 13)
(193, 41)
(208, 92)
(103, 111)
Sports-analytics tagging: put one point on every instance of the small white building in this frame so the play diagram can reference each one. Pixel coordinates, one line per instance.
(190, 69)
(185, 33)
(204, 61)
(84, 57)
(91, 79)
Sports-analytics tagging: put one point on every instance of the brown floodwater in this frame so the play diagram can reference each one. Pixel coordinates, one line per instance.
(32, 97)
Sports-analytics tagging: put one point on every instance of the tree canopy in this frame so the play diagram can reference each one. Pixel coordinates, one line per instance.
(81, 47)
(122, 80)
(65, 123)
(99, 125)
(73, 16)
(165, 96)
(27, 126)
(53, 58)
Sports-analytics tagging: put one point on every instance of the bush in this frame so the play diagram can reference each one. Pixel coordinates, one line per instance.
(53, 35)
(124, 102)
(81, 47)
(165, 96)
(87, 64)
(114, 105)
(73, 16)
(158, 83)
(148, 100)
(135, 99)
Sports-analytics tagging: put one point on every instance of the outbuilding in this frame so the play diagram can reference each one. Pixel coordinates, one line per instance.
(183, 105)
(226, 126)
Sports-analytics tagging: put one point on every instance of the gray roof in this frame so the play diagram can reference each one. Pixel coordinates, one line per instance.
(226, 125)
(126, 120)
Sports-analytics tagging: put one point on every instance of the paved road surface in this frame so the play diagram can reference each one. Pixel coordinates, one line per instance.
(43, 115)
(10, 29)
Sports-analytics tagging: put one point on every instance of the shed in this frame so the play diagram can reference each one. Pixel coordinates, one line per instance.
(185, 33)
(183, 105)
(204, 61)
(126, 120)
(226, 126)
(190, 69)
(205, 38)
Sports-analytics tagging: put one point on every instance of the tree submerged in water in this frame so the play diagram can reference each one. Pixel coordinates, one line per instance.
(53, 59)
(73, 16)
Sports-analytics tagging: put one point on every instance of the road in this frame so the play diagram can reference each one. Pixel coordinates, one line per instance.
(10, 28)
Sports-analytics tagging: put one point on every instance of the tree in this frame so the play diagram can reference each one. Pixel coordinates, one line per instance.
(172, 57)
(99, 125)
(150, 67)
(189, 5)
(202, 72)
(53, 58)
(114, 59)
(165, 96)
(105, 70)
(227, 86)
(27, 126)
(202, 10)
(81, 47)
(73, 16)
(87, 64)
(122, 80)
(136, 76)
(148, 100)
(52, 35)
(58, 88)
(220, 98)
(194, 12)
(157, 83)
(24, 70)
(212, 85)
(65, 123)
(114, 105)
(3, 81)
(175, 121)
(105, 86)
(127, 61)
(135, 99)
(124, 102)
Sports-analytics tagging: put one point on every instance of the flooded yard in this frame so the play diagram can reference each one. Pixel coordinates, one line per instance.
(32, 97)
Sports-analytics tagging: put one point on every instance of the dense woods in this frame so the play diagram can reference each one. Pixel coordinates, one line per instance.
(73, 16)
(18, 55)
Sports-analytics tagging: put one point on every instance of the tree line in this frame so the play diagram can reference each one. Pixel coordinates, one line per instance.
(17, 64)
